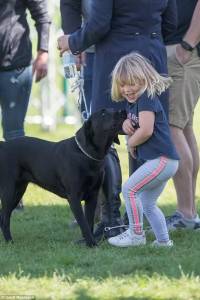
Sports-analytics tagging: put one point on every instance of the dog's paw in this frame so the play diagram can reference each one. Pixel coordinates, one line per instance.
(92, 244)
(9, 242)
(84, 243)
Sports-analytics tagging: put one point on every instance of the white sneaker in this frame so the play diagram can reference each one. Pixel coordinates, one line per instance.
(127, 238)
(161, 244)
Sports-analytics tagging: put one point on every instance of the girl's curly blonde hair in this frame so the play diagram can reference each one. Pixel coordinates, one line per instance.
(134, 69)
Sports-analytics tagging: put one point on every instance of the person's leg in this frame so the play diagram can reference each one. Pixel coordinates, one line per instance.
(134, 235)
(144, 186)
(184, 94)
(192, 143)
(150, 188)
(110, 198)
(185, 217)
(14, 96)
(15, 89)
(183, 178)
(153, 213)
(134, 164)
(85, 105)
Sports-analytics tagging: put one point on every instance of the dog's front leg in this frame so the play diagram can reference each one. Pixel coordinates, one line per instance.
(76, 208)
(90, 207)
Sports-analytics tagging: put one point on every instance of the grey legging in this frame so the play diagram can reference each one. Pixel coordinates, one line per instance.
(141, 192)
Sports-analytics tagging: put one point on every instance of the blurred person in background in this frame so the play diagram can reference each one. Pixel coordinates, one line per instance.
(183, 48)
(117, 28)
(73, 14)
(16, 66)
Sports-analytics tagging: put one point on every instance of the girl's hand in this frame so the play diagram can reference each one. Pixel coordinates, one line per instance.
(127, 127)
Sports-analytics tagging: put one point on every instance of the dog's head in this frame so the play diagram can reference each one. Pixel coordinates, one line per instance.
(107, 123)
(101, 130)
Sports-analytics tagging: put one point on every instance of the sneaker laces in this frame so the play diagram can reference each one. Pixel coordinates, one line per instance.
(124, 235)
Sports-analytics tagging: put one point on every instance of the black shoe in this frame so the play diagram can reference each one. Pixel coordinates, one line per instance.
(125, 219)
(99, 232)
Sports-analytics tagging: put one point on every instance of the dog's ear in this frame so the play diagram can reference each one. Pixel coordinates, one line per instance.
(116, 140)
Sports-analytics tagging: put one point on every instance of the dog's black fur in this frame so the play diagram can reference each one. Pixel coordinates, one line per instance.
(70, 169)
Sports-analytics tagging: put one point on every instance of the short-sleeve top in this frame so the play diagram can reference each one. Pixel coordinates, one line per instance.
(160, 143)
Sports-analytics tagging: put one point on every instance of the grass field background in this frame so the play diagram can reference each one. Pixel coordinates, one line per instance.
(44, 262)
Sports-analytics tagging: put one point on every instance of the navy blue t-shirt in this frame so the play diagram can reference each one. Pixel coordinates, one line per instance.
(185, 10)
(160, 143)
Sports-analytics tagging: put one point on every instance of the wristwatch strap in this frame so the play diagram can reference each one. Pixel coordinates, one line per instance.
(185, 45)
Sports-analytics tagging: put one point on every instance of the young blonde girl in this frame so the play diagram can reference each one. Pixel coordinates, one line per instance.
(135, 80)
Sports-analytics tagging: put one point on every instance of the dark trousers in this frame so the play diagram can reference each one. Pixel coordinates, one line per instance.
(15, 88)
(134, 164)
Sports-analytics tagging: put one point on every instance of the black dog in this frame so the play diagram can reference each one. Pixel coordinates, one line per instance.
(72, 168)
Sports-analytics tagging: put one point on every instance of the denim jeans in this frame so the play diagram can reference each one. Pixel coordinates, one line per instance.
(15, 88)
(88, 74)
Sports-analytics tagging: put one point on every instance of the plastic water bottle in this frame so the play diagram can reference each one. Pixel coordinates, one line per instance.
(69, 65)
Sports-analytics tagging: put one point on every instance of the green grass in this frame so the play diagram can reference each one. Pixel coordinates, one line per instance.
(45, 263)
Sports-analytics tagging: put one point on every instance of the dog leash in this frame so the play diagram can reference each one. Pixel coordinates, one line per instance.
(79, 84)
(81, 148)
(119, 226)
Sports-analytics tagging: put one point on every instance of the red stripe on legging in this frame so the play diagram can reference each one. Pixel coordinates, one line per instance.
(162, 164)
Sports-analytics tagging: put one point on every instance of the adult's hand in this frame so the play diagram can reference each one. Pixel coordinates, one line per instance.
(182, 55)
(40, 65)
(63, 44)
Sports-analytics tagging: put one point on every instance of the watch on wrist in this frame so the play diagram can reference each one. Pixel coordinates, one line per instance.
(185, 45)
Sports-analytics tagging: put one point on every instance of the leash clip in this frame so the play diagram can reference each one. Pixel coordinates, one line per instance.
(119, 226)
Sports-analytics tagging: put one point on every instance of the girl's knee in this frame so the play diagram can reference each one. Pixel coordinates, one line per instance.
(127, 187)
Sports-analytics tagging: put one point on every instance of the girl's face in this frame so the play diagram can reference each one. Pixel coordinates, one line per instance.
(131, 92)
